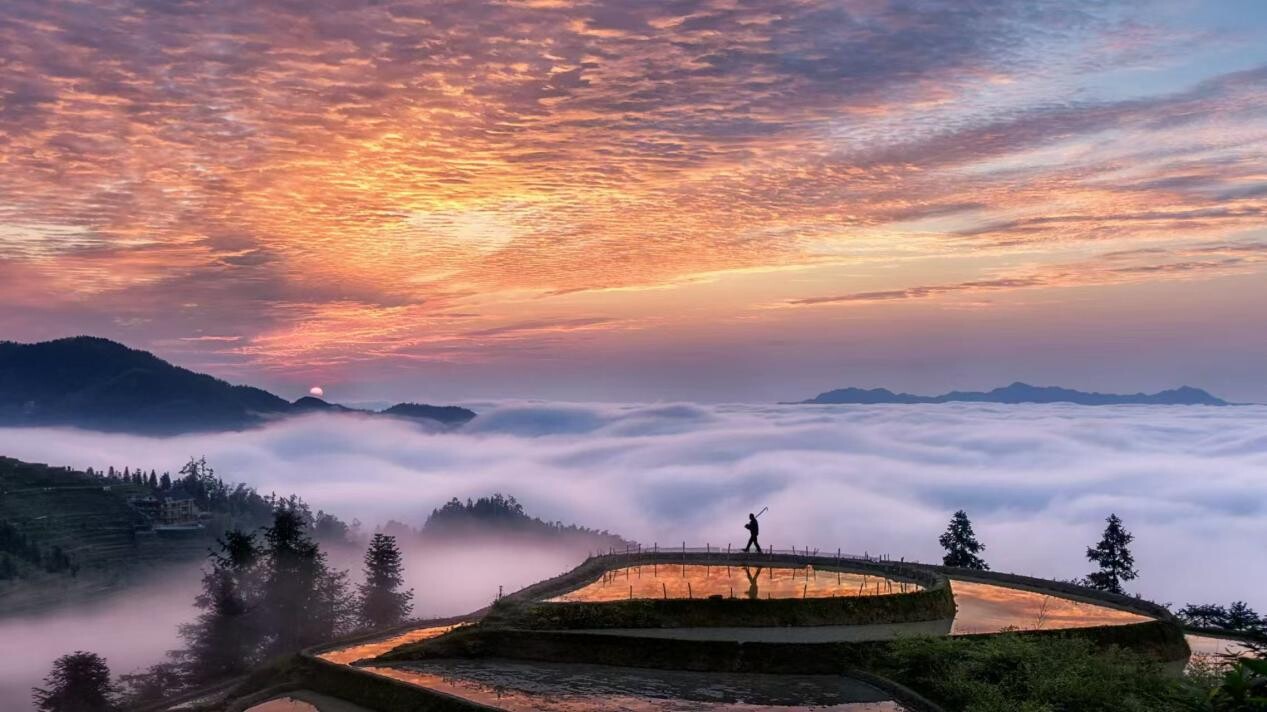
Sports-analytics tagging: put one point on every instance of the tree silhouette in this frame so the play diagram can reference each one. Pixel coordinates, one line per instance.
(961, 544)
(1113, 556)
(304, 601)
(223, 639)
(381, 601)
(79, 682)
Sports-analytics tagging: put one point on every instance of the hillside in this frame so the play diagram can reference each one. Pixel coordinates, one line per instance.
(99, 384)
(66, 535)
(1019, 393)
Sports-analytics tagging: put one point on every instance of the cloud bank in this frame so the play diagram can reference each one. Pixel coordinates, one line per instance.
(1191, 483)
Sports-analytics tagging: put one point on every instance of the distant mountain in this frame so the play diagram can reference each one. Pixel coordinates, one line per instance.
(1020, 393)
(99, 384)
(448, 414)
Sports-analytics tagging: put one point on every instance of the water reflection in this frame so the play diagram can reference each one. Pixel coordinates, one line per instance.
(374, 648)
(1217, 649)
(985, 608)
(516, 685)
(702, 581)
(283, 704)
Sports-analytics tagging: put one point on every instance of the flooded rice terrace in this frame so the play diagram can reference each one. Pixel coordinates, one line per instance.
(753, 582)
(558, 687)
(519, 685)
(987, 608)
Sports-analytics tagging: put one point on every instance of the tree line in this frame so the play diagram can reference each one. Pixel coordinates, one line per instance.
(264, 594)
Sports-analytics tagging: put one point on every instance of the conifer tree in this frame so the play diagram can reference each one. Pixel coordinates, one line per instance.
(381, 601)
(1113, 556)
(961, 544)
(79, 682)
(224, 638)
(304, 601)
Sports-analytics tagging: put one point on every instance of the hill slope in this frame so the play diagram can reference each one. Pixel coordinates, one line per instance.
(100, 384)
(1020, 393)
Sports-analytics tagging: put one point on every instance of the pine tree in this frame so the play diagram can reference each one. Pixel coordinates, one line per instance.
(1113, 556)
(79, 682)
(304, 601)
(381, 601)
(961, 544)
(223, 640)
(165, 482)
(153, 480)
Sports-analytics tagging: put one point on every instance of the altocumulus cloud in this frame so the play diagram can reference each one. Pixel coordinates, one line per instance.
(1038, 480)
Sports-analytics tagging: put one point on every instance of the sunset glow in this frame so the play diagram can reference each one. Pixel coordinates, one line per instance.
(528, 198)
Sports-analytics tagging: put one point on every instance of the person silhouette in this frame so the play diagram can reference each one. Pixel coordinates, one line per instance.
(753, 592)
(753, 529)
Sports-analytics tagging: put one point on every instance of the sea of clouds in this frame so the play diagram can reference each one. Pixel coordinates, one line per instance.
(1037, 480)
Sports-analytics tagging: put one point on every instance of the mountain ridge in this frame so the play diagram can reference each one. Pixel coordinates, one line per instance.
(99, 384)
(1016, 393)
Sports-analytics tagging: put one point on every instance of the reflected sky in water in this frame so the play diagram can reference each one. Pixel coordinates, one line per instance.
(984, 608)
(702, 581)
(379, 646)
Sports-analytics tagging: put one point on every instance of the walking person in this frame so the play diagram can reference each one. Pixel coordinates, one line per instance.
(753, 529)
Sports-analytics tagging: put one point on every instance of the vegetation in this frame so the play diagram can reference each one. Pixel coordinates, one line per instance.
(1020, 673)
(221, 642)
(58, 521)
(961, 545)
(261, 597)
(1238, 617)
(499, 514)
(381, 602)
(79, 682)
(1114, 558)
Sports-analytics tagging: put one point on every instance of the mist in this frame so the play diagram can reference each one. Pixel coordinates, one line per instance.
(1037, 481)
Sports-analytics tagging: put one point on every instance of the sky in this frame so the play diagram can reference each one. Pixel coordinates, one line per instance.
(713, 200)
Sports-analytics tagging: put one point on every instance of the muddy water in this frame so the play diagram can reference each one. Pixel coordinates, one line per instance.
(700, 581)
(523, 686)
(985, 608)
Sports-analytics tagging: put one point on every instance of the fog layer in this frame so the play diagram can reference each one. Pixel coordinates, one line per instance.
(1190, 482)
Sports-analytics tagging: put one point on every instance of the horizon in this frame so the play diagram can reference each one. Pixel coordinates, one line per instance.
(466, 401)
(703, 201)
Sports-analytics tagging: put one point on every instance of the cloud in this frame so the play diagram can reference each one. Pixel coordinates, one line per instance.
(1037, 480)
(329, 180)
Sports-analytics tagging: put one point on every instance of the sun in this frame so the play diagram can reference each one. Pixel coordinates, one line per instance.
(316, 391)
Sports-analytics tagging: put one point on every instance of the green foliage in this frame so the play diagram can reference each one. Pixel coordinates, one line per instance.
(1114, 558)
(79, 682)
(961, 545)
(381, 602)
(1243, 687)
(1019, 673)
